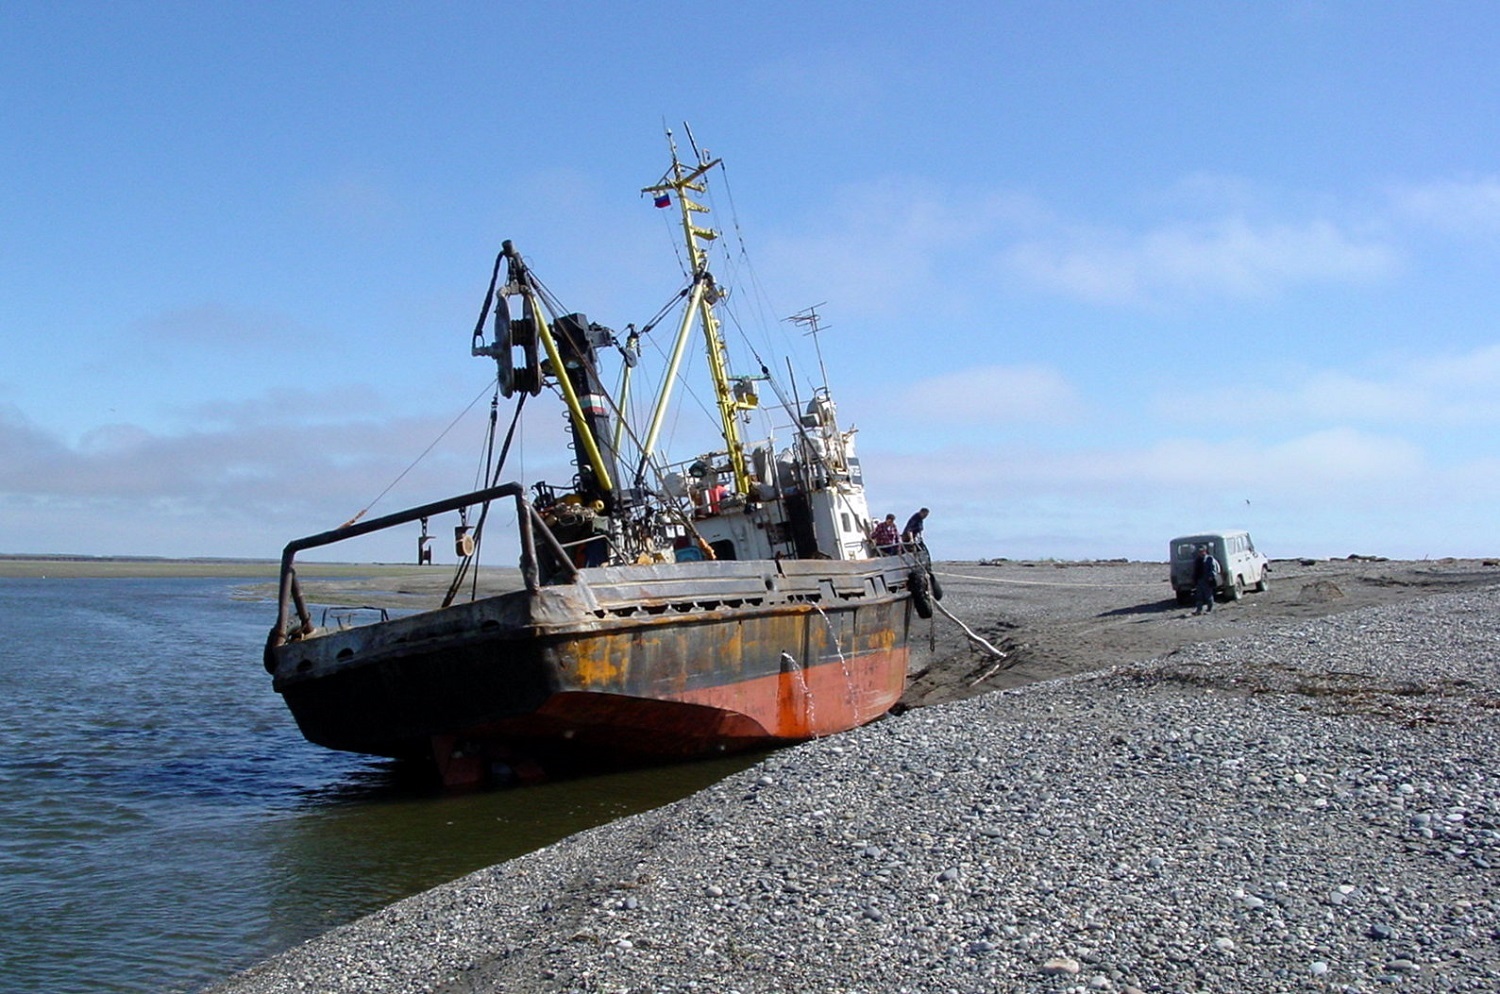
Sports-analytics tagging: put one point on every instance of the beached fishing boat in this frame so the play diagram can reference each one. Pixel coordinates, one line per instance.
(732, 600)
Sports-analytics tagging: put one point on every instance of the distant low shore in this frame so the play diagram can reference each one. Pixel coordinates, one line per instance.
(107, 567)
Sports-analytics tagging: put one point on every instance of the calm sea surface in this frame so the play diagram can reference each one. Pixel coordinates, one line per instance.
(162, 822)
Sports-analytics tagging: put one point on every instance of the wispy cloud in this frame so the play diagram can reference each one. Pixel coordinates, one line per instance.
(994, 395)
(215, 326)
(1231, 257)
(897, 243)
(879, 240)
(275, 478)
(1469, 207)
(1320, 492)
(359, 202)
(291, 408)
(1446, 390)
(1307, 464)
(833, 83)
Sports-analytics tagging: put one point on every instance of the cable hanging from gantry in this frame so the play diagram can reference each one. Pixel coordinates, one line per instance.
(413, 464)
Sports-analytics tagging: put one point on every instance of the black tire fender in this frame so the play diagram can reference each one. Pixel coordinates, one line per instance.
(921, 593)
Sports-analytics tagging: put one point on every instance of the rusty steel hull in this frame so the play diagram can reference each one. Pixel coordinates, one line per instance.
(625, 664)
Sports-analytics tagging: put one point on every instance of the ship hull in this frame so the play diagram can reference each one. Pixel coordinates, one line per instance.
(623, 665)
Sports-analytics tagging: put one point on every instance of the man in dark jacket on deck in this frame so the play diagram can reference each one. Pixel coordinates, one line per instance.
(912, 533)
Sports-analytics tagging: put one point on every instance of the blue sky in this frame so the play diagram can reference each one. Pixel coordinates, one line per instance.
(1094, 274)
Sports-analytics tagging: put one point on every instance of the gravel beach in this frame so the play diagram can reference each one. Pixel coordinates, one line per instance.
(1289, 794)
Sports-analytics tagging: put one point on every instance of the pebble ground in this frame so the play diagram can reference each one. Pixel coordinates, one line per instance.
(1309, 806)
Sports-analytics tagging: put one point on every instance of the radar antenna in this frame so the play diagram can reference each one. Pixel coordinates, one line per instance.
(809, 318)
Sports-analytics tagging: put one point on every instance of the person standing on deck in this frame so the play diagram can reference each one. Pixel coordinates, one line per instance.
(885, 537)
(912, 533)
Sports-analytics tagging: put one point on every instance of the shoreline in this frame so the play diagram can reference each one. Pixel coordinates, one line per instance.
(14, 566)
(1306, 804)
(1295, 791)
(125, 567)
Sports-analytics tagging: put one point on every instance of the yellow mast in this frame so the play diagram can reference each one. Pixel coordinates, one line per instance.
(570, 397)
(704, 295)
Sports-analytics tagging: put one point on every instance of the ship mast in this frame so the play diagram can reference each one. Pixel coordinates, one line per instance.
(705, 293)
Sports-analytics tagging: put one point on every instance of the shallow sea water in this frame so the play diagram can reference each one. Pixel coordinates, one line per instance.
(163, 824)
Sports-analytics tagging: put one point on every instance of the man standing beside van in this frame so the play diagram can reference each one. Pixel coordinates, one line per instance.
(1205, 580)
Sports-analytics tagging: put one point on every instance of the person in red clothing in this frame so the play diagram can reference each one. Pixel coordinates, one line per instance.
(887, 540)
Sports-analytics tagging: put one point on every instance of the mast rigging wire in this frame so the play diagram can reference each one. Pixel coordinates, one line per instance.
(366, 509)
(484, 510)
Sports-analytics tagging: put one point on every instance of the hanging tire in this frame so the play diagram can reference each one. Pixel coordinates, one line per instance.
(921, 594)
(937, 588)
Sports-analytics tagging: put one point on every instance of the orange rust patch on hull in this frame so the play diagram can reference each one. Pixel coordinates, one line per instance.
(799, 703)
(786, 707)
(675, 686)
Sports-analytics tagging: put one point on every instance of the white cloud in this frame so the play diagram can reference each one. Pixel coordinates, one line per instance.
(360, 203)
(891, 243)
(1324, 492)
(292, 406)
(1459, 376)
(1448, 390)
(1340, 457)
(898, 247)
(1309, 465)
(213, 326)
(994, 395)
(1461, 206)
(274, 480)
(114, 441)
(834, 83)
(1229, 257)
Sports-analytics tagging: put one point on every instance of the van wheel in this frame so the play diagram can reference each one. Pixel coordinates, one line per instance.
(1265, 582)
(1185, 598)
(1237, 589)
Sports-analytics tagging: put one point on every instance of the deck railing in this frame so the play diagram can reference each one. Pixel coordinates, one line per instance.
(529, 521)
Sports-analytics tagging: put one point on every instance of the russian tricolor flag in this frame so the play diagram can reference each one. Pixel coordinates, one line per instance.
(663, 200)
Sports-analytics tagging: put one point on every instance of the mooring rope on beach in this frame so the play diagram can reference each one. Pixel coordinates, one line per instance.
(973, 636)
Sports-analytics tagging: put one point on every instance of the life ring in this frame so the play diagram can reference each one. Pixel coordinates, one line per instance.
(921, 593)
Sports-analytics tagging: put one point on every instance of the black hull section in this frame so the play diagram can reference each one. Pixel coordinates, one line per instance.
(633, 663)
